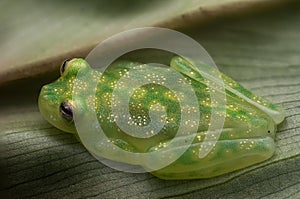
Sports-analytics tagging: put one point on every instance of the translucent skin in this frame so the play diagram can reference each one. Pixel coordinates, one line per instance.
(247, 137)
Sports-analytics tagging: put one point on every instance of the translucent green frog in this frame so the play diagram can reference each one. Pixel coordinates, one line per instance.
(246, 138)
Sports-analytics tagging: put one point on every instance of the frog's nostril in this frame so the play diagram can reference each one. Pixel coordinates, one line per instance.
(45, 94)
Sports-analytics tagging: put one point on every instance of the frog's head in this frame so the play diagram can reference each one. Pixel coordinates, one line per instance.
(55, 100)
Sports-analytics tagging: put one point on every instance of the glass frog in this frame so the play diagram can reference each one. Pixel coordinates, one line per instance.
(247, 136)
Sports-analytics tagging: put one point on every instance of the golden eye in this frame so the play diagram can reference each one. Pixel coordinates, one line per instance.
(66, 110)
(64, 66)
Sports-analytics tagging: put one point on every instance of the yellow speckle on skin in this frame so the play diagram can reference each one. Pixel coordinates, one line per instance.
(170, 95)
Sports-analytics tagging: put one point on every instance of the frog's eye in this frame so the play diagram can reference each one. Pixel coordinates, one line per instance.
(66, 110)
(64, 66)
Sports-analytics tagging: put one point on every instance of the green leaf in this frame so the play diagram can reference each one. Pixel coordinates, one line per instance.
(36, 37)
(260, 50)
